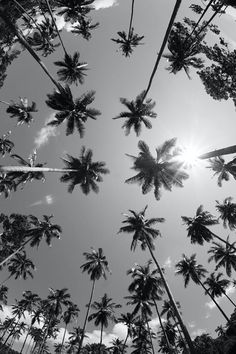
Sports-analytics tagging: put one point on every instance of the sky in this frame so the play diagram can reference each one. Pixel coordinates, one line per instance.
(184, 111)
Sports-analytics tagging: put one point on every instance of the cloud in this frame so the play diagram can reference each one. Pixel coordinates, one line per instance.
(167, 263)
(102, 4)
(45, 133)
(211, 305)
(48, 199)
(198, 332)
(192, 324)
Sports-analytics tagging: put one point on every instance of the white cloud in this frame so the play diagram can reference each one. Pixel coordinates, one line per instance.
(211, 305)
(192, 324)
(48, 199)
(167, 263)
(102, 4)
(198, 332)
(45, 133)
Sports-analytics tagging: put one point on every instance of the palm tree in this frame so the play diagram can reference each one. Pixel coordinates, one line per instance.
(104, 312)
(128, 320)
(6, 185)
(72, 70)
(84, 27)
(225, 256)
(80, 170)
(137, 114)
(217, 286)
(144, 234)
(3, 296)
(189, 269)
(227, 212)
(20, 267)
(75, 111)
(96, 266)
(222, 169)
(71, 312)
(141, 341)
(74, 11)
(197, 227)
(128, 42)
(74, 339)
(117, 346)
(6, 145)
(162, 171)
(22, 110)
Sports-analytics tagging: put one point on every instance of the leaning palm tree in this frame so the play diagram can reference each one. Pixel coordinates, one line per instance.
(217, 286)
(197, 227)
(224, 256)
(82, 171)
(104, 311)
(72, 71)
(163, 171)
(6, 145)
(22, 110)
(144, 233)
(138, 113)
(75, 111)
(227, 212)
(189, 269)
(96, 266)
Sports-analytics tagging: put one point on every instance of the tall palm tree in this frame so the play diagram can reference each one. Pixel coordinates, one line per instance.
(163, 171)
(217, 286)
(22, 110)
(197, 227)
(138, 113)
(128, 319)
(71, 312)
(74, 339)
(224, 257)
(128, 42)
(117, 346)
(141, 341)
(3, 296)
(96, 265)
(144, 233)
(6, 145)
(189, 269)
(227, 212)
(84, 27)
(104, 312)
(74, 11)
(75, 111)
(80, 170)
(72, 71)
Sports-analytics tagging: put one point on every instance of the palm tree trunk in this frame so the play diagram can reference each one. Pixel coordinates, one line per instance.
(172, 301)
(63, 339)
(222, 240)
(229, 299)
(100, 344)
(27, 169)
(86, 317)
(162, 327)
(25, 340)
(29, 345)
(22, 40)
(215, 153)
(149, 332)
(126, 338)
(212, 298)
(131, 19)
(4, 281)
(11, 332)
(7, 103)
(172, 19)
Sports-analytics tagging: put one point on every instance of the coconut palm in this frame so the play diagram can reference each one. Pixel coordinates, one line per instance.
(197, 227)
(217, 286)
(141, 341)
(171, 335)
(80, 170)
(144, 234)
(222, 169)
(3, 296)
(71, 312)
(84, 27)
(128, 319)
(96, 266)
(128, 42)
(74, 10)
(72, 71)
(164, 171)
(75, 111)
(104, 312)
(22, 110)
(227, 212)
(138, 113)
(117, 346)
(74, 339)
(6, 145)
(223, 256)
(189, 269)
(6, 185)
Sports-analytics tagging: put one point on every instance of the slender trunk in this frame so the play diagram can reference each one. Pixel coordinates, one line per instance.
(13, 319)
(100, 344)
(172, 301)
(86, 317)
(222, 240)
(126, 338)
(229, 299)
(4, 281)
(44, 338)
(7, 103)
(225, 151)
(172, 19)
(27, 169)
(150, 335)
(29, 345)
(63, 339)
(162, 327)
(11, 332)
(23, 41)
(131, 19)
(212, 298)
(25, 340)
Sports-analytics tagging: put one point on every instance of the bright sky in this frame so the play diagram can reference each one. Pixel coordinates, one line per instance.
(184, 111)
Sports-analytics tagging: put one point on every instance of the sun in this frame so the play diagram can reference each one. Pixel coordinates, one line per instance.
(189, 155)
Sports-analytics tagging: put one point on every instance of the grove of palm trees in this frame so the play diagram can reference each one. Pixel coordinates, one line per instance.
(117, 176)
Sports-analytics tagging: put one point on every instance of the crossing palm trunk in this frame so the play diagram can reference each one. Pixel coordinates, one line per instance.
(215, 153)
(229, 299)
(131, 19)
(172, 301)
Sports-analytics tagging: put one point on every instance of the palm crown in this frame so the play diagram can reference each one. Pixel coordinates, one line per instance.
(128, 42)
(22, 111)
(75, 111)
(189, 268)
(224, 256)
(6, 145)
(138, 113)
(222, 169)
(163, 171)
(96, 264)
(227, 212)
(84, 27)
